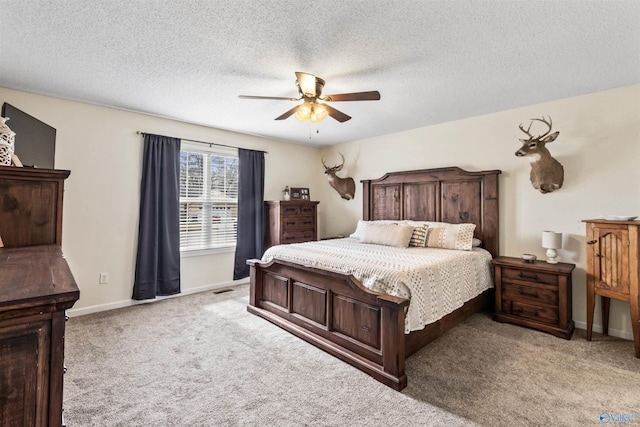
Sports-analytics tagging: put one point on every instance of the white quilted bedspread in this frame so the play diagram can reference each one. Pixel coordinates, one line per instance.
(436, 281)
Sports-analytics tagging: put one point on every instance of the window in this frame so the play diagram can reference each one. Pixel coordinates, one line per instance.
(208, 197)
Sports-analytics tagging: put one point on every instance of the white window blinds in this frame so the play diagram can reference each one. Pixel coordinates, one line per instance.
(208, 197)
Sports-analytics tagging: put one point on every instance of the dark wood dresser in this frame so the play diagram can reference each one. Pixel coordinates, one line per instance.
(292, 221)
(36, 287)
(536, 295)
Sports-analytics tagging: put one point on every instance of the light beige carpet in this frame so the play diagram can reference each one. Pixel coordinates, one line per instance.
(202, 360)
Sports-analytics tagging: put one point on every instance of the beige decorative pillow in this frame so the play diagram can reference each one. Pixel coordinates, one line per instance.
(419, 236)
(451, 236)
(357, 234)
(387, 234)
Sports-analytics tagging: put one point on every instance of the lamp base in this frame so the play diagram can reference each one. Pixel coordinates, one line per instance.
(552, 256)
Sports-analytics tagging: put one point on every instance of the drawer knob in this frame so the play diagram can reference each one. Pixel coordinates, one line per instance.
(289, 238)
(526, 276)
(290, 223)
(366, 328)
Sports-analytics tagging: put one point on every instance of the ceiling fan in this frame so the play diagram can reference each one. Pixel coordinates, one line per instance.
(314, 107)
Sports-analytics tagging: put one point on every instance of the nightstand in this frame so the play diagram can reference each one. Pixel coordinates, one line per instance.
(536, 295)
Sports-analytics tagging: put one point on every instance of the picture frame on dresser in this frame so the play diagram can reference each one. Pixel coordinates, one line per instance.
(300, 193)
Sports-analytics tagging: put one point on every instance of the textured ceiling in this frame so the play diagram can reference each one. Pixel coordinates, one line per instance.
(432, 61)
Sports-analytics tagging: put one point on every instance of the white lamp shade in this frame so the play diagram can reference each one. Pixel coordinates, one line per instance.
(551, 240)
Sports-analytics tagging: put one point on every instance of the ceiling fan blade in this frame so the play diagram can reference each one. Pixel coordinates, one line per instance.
(338, 115)
(356, 96)
(267, 97)
(289, 113)
(310, 85)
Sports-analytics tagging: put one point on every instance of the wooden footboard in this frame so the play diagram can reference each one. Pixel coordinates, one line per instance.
(336, 313)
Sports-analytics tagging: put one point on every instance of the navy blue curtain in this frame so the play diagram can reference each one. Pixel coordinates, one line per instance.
(158, 258)
(250, 210)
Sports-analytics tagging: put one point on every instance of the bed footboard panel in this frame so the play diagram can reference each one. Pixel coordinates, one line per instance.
(336, 313)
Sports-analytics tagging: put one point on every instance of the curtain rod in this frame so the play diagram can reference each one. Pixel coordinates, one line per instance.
(199, 142)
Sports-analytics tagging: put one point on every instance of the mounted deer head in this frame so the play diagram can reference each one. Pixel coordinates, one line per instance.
(346, 187)
(547, 174)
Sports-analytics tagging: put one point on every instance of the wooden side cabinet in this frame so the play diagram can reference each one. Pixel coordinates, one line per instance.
(536, 295)
(293, 221)
(36, 287)
(31, 206)
(613, 271)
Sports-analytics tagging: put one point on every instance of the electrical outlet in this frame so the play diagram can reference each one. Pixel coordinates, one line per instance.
(104, 278)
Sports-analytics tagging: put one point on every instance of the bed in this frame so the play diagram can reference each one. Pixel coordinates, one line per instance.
(337, 313)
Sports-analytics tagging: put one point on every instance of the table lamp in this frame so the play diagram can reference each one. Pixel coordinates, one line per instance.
(552, 241)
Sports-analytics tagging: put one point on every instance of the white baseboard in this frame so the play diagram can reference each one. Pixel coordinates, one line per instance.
(627, 335)
(128, 303)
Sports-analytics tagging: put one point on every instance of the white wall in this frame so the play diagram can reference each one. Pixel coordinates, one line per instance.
(101, 148)
(598, 145)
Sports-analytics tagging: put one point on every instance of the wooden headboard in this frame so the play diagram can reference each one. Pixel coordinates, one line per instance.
(449, 194)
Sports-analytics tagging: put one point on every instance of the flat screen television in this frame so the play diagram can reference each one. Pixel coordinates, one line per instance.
(35, 140)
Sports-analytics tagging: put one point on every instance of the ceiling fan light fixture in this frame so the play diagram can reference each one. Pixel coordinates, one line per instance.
(304, 112)
(310, 91)
(319, 113)
(312, 111)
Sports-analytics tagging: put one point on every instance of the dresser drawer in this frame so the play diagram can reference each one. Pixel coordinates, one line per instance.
(297, 236)
(529, 276)
(531, 294)
(298, 223)
(534, 312)
(290, 211)
(308, 210)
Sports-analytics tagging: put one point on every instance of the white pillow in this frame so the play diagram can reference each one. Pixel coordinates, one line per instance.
(450, 236)
(357, 234)
(387, 234)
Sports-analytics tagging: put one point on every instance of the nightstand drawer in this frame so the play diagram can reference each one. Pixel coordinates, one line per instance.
(529, 276)
(531, 294)
(296, 223)
(540, 314)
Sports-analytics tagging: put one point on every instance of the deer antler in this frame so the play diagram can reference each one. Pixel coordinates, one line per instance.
(336, 167)
(548, 123)
(526, 131)
(543, 120)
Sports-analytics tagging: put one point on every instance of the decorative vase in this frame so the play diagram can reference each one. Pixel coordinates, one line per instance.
(7, 142)
(287, 195)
